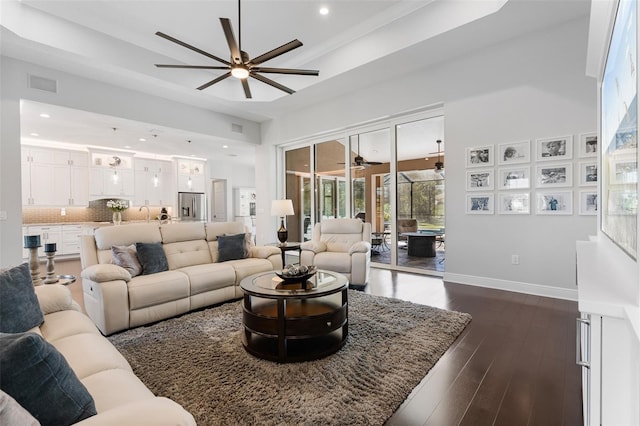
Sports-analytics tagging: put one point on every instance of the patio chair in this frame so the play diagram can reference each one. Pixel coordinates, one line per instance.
(406, 225)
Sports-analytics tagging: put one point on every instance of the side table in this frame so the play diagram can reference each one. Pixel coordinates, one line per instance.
(288, 246)
(64, 279)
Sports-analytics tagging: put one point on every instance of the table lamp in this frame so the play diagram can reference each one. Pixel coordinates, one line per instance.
(282, 208)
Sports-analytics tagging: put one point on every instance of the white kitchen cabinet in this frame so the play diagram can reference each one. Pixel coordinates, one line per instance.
(608, 353)
(52, 177)
(153, 183)
(608, 346)
(71, 239)
(107, 182)
(191, 177)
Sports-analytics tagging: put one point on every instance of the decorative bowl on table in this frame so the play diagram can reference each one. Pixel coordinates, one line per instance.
(296, 273)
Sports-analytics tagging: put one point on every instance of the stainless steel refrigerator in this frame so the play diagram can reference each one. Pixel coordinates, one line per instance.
(192, 206)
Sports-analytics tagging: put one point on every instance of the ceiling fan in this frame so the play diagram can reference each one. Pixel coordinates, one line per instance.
(439, 168)
(359, 161)
(240, 65)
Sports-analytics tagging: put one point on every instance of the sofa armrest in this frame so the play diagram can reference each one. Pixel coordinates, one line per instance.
(263, 252)
(157, 411)
(106, 272)
(54, 297)
(360, 247)
(314, 246)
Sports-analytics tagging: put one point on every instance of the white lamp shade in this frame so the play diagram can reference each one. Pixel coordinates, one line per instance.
(282, 208)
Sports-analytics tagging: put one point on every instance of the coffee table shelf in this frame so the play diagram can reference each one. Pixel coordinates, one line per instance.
(291, 323)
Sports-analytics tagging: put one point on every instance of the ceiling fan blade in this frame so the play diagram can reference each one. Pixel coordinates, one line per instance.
(200, 67)
(272, 83)
(188, 46)
(231, 40)
(285, 71)
(294, 44)
(214, 81)
(245, 86)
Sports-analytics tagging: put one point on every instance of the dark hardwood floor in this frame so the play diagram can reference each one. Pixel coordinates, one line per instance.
(513, 365)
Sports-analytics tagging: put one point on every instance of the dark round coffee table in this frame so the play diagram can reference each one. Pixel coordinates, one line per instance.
(294, 322)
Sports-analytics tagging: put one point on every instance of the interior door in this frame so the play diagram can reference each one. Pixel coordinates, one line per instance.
(219, 200)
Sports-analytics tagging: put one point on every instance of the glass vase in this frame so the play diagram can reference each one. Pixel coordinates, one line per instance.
(117, 218)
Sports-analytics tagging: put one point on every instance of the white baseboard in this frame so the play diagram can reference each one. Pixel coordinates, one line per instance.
(518, 287)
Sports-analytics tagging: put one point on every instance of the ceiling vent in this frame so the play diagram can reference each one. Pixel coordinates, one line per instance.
(236, 128)
(42, 83)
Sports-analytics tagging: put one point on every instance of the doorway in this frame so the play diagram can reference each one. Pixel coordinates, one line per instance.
(218, 200)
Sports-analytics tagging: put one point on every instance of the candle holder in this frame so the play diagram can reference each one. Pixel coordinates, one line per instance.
(32, 243)
(50, 252)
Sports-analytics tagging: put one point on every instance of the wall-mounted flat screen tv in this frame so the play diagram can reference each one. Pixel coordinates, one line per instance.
(619, 128)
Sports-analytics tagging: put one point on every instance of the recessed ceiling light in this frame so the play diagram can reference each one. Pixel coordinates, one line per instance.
(127, 146)
(225, 146)
(324, 10)
(45, 115)
(142, 140)
(34, 134)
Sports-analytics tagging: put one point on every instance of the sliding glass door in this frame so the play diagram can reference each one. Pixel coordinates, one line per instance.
(390, 175)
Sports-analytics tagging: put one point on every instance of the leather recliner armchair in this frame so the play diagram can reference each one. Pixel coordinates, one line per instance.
(340, 245)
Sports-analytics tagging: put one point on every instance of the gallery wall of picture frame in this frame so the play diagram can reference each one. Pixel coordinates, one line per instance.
(545, 187)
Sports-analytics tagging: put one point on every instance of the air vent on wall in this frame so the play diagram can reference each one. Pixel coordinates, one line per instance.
(42, 83)
(236, 128)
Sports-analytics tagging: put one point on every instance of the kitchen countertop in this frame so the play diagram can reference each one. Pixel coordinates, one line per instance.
(93, 224)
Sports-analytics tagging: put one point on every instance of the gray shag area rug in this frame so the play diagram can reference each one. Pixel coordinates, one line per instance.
(198, 361)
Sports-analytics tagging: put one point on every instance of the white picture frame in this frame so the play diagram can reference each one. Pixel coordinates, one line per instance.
(514, 203)
(514, 152)
(480, 180)
(588, 173)
(514, 178)
(588, 203)
(551, 175)
(623, 170)
(588, 145)
(554, 202)
(557, 148)
(478, 203)
(479, 156)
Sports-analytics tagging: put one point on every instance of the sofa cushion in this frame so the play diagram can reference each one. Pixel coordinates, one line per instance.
(19, 307)
(127, 257)
(333, 261)
(151, 290)
(187, 253)
(176, 232)
(246, 267)
(102, 384)
(59, 325)
(232, 247)
(38, 377)
(212, 276)
(152, 258)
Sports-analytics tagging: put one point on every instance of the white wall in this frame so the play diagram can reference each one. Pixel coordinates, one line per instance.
(94, 96)
(531, 87)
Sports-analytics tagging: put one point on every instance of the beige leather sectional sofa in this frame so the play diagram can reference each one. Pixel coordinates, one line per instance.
(115, 301)
(119, 396)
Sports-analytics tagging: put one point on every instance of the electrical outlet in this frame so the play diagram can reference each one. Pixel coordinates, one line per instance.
(63, 211)
(515, 259)
(3, 215)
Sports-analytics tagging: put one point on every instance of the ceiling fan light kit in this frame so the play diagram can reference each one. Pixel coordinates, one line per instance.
(241, 66)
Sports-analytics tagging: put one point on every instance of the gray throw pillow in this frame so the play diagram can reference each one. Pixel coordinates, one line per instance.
(152, 258)
(19, 307)
(127, 258)
(38, 377)
(231, 247)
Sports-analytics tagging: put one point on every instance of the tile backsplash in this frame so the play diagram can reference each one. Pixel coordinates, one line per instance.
(97, 211)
